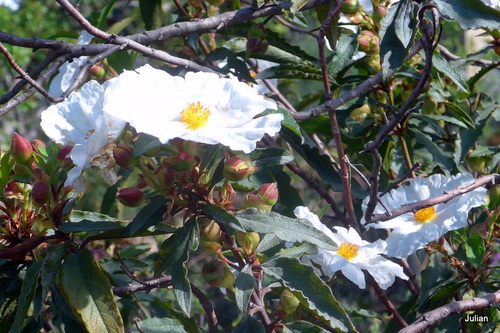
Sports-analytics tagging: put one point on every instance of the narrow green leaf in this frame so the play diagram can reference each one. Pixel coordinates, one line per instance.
(293, 71)
(266, 157)
(144, 144)
(249, 325)
(244, 286)
(152, 13)
(159, 325)
(297, 251)
(220, 215)
(461, 115)
(50, 267)
(189, 323)
(440, 157)
(438, 117)
(287, 229)
(91, 226)
(88, 293)
(147, 217)
(447, 69)
(119, 26)
(474, 249)
(103, 14)
(470, 14)
(316, 294)
(30, 283)
(347, 46)
(301, 326)
(80, 215)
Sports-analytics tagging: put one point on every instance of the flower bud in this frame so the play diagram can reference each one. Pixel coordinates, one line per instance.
(182, 162)
(494, 194)
(264, 198)
(97, 71)
(349, 6)
(165, 176)
(238, 168)
(123, 156)
(257, 45)
(40, 193)
(360, 113)
(64, 158)
(38, 145)
(21, 149)
(210, 235)
(218, 274)
(288, 302)
(130, 197)
(248, 241)
(368, 42)
(378, 13)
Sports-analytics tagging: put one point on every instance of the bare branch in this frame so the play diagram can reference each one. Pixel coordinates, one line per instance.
(435, 316)
(208, 307)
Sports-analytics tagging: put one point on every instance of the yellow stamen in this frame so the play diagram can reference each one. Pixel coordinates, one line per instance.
(425, 215)
(348, 250)
(195, 116)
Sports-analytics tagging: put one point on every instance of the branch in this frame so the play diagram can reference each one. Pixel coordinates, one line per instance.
(208, 307)
(447, 196)
(435, 316)
(387, 302)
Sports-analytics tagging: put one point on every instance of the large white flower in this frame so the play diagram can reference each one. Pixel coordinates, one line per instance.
(69, 71)
(200, 107)
(353, 255)
(79, 121)
(412, 231)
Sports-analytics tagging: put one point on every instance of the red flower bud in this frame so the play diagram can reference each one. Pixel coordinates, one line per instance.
(40, 193)
(97, 71)
(130, 197)
(264, 198)
(21, 149)
(182, 162)
(257, 45)
(123, 156)
(238, 168)
(64, 158)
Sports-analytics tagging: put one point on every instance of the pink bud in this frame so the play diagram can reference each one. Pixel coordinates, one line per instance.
(264, 198)
(123, 156)
(21, 149)
(130, 197)
(64, 158)
(182, 162)
(238, 168)
(368, 42)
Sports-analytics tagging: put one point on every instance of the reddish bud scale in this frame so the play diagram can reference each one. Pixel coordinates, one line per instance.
(40, 193)
(21, 149)
(130, 197)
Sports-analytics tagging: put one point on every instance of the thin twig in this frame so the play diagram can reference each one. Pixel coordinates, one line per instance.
(435, 316)
(387, 302)
(26, 77)
(208, 307)
(414, 168)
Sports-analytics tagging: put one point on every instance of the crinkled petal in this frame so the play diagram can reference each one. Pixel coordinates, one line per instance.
(385, 271)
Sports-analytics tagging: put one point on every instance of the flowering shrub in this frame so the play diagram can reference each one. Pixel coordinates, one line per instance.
(180, 196)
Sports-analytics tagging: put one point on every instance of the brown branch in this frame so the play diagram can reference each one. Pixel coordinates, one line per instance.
(387, 302)
(435, 316)
(144, 285)
(26, 77)
(208, 307)
(447, 196)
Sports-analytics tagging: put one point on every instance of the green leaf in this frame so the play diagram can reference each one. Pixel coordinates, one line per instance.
(30, 284)
(220, 215)
(159, 325)
(119, 26)
(152, 13)
(293, 71)
(189, 323)
(287, 121)
(301, 326)
(266, 157)
(88, 292)
(316, 294)
(470, 14)
(50, 267)
(86, 226)
(461, 115)
(406, 22)
(297, 251)
(347, 46)
(147, 217)
(244, 286)
(474, 249)
(392, 50)
(289, 198)
(447, 69)
(267, 242)
(441, 158)
(297, 5)
(287, 229)
(249, 325)
(438, 117)
(103, 14)
(144, 144)
(80, 215)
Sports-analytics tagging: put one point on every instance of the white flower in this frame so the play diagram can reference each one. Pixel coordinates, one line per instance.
(79, 121)
(353, 255)
(68, 72)
(412, 231)
(200, 107)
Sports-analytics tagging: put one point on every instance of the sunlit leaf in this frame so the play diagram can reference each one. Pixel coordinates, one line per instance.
(244, 286)
(470, 14)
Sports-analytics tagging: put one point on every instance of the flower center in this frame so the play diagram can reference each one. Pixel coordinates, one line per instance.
(425, 215)
(348, 250)
(195, 116)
